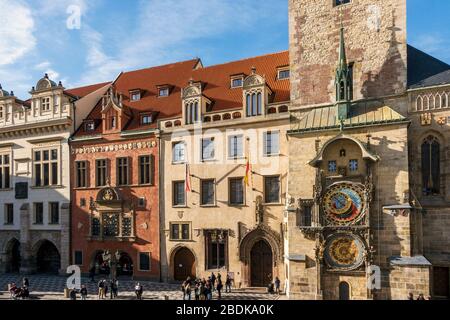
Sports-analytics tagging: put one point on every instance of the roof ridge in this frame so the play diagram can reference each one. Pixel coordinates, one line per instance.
(88, 85)
(162, 65)
(244, 59)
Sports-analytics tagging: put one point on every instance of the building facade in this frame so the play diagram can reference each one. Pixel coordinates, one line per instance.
(34, 175)
(225, 176)
(115, 177)
(364, 155)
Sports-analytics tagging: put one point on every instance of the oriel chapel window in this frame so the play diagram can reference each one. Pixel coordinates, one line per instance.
(5, 172)
(431, 166)
(46, 168)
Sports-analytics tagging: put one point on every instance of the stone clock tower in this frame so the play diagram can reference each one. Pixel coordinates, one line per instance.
(351, 232)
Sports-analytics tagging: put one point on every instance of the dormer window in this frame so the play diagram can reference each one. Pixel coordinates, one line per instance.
(89, 126)
(135, 95)
(237, 82)
(163, 92)
(146, 119)
(254, 104)
(284, 74)
(45, 104)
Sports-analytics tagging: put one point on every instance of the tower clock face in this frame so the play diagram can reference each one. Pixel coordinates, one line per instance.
(344, 203)
(344, 252)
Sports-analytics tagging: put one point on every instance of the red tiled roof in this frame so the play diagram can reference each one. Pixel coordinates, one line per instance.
(177, 75)
(84, 91)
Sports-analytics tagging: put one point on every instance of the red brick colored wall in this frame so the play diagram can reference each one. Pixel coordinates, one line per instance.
(147, 239)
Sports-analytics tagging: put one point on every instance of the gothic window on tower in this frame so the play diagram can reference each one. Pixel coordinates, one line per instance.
(332, 166)
(216, 249)
(5, 171)
(431, 166)
(353, 165)
(337, 3)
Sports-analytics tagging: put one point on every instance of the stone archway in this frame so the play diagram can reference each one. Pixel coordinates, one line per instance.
(12, 257)
(261, 248)
(184, 264)
(48, 258)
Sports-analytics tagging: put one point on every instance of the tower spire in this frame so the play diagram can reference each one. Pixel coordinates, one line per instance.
(343, 81)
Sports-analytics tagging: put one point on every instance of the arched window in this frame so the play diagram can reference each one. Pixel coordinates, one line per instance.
(431, 166)
(419, 103)
(445, 100)
(254, 105)
(259, 108)
(344, 291)
(249, 105)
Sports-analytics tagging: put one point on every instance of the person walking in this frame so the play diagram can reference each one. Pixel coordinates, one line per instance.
(73, 294)
(25, 282)
(112, 284)
(101, 289)
(139, 291)
(187, 289)
(228, 284)
(219, 286)
(202, 290)
(421, 297)
(277, 285)
(83, 292)
(213, 281)
(410, 296)
(208, 290)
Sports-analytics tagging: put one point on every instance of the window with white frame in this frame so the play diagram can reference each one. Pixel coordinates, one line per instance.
(284, 74)
(135, 96)
(146, 119)
(164, 92)
(179, 193)
(45, 104)
(46, 167)
(208, 149)
(180, 231)
(179, 152)
(5, 171)
(237, 82)
(236, 146)
(254, 104)
(236, 191)
(271, 143)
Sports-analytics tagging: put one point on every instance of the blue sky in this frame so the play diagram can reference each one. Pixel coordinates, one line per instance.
(116, 35)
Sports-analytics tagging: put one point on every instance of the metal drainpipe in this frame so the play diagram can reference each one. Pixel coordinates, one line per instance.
(160, 207)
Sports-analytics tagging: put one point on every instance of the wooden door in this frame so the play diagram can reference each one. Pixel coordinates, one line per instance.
(261, 267)
(184, 265)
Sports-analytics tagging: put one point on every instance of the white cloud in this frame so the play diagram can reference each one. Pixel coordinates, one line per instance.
(16, 31)
(42, 66)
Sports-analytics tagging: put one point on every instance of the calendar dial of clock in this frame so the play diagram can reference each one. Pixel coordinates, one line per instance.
(344, 203)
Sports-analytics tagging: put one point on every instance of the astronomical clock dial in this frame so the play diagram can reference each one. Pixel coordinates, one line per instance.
(344, 252)
(344, 203)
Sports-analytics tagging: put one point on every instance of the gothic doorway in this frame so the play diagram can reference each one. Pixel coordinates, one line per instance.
(101, 267)
(125, 266)
(184, 264)
(344, 291)
(261, 265)
(13, 256)
(48, 258)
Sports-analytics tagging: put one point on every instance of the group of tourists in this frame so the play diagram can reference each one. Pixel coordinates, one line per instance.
(203, 289)
(419, 297)
(22, 292)
(104, 288)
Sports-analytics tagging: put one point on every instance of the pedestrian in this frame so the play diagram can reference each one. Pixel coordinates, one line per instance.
(92, 273)
(187, 289)
(219, 286)
(112, 284)
(83, 292)
(25, 282)
(116, 288)
(208, 290)
(197, 290)
(277, 285)
(202, 290)
(106, 289)
(228, 284)
(73, 294)
(101, 289)
(421, 297)
(138, 289)
(410, 296)
(213, 280)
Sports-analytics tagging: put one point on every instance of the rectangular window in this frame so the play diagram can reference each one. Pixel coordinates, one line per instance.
(305, 219)
(208, 149)
(179, 193)
(353, 165)
(111, 224)
(332, 166)
(81, 174)
(284, 74)
(54, 213)
(78, 258)
(101, 168)
(145, 170)
(236, 146)
(216, 249)
(144, 261)
(46, 168)
(271, 143)
(122, 171)
(39, 213)
(89, 126)
(164, 92)
(146, 119)
(180, 231)
(135, 96)
(9, 214)
(5, 171)
(95, 227)
(45, 104)
(236, 82)
(272, 189)
(208, 192)
(236, 191)
(179, 152)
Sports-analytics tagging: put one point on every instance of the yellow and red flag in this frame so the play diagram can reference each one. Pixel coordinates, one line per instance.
(188, 179)
(248, 172)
